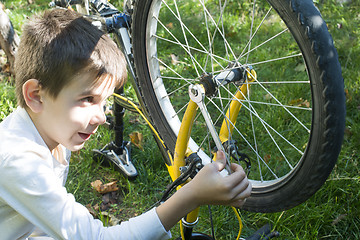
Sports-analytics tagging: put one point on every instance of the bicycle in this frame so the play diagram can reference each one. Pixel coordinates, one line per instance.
(268, 86)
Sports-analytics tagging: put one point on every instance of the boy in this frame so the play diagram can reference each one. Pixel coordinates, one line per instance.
(65, 69)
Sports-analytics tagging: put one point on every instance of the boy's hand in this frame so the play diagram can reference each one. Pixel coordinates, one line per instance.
(209, 187)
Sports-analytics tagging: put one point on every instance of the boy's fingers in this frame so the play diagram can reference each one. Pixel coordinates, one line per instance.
(240, 199)
(220, 160)
(237, 175)
(236, 167)
(242, 190)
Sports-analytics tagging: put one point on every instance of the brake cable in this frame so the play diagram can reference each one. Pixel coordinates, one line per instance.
(193, 161)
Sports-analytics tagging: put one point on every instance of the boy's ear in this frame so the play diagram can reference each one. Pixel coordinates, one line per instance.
(32, 95)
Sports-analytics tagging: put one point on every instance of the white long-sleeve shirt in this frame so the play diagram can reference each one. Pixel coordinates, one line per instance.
(32, 192)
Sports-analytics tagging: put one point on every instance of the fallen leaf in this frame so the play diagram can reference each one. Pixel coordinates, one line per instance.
(175, 60)
(267, 97)
(134, 120)
(93, 209)
(305, 103)
(6, 68)
(113, 220)
(136, 138)
(300, 67)
(104, 188)
(170, 25)
(348, 95)
(96, 185)
(348, 131)
(338, 219)
(267, 158)
(300, 102)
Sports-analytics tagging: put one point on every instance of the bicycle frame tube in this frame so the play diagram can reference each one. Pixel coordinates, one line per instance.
(181, 151)
(182, 141)
(229, 121)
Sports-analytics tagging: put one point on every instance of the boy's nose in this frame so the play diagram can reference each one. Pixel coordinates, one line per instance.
(99, 116)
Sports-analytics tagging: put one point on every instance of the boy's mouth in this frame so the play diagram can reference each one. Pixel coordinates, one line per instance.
(85, 136)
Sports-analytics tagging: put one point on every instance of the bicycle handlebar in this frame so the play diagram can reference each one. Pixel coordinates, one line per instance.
(112, 18)
(65, 3)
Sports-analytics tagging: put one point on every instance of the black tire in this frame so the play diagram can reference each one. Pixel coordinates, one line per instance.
(306, 106)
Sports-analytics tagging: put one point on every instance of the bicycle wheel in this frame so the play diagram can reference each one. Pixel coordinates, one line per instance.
(291, 122)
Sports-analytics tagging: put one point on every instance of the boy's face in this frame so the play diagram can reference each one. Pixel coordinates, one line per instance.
(75, 114)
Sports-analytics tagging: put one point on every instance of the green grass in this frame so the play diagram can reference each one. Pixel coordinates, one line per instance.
(332, 213)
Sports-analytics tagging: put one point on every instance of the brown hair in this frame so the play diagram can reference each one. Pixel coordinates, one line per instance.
(61, 44)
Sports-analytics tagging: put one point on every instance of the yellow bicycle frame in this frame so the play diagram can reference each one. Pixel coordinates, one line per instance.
(181, 147)
(182, 141)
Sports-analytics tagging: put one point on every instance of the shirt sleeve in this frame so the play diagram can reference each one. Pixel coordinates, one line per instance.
(29, 186)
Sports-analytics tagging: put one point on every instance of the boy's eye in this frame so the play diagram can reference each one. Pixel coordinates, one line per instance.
(87, 99)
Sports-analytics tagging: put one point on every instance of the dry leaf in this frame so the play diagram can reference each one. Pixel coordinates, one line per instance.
(92, 210)
(96, 185)
(348, 95)
(267, 158)
(136, 138)
(300, 67)
(6, 68)
(175, 59)
(338, 219)
(267, 97)
(170, 25)
(104, 188)
(134, 120)
(300, 102)
(305, 103)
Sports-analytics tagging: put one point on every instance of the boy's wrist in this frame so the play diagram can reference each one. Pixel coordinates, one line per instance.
(177, 206)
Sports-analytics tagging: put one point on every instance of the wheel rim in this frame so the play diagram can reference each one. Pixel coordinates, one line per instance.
(275, 122)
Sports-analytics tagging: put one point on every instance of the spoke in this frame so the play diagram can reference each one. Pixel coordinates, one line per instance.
(267, 130)
(222, 25)
(269, 104)
(251, 29)
(251, 118)
(180, 44)
(185, 37)
(195, 49)
(166, 66)
(270, 135)
(268, 40)
(179, 88)
(280, 82)
(180, 110)
(254, 135)
(221, 8)
(268, 125)
(252, 36)
(271, 95)
(273, 60)
(209, 41)
(247, 142)
(178, 78)
(185, 27)
(217, 27)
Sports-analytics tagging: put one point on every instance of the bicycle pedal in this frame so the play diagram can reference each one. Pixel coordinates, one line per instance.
(122, 161)
(264, 233)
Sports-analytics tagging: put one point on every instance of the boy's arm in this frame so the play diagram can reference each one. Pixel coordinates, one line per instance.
(208, 187)
(28, 185)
